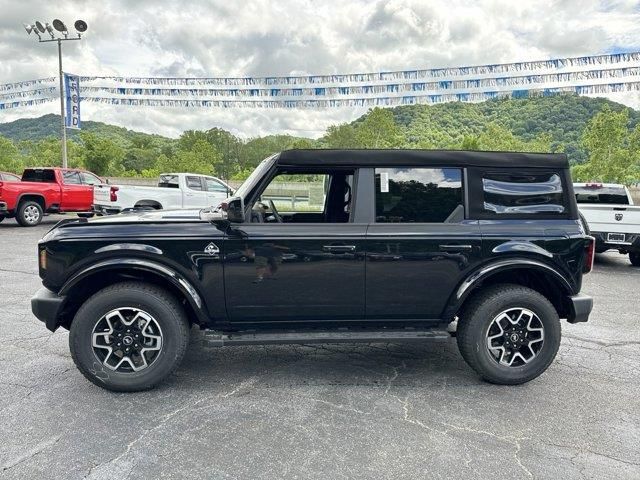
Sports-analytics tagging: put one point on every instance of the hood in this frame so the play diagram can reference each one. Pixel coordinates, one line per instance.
(149, 216)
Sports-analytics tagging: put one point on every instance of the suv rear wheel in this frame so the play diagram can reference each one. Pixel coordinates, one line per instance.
(634, 258)
(129, 336)
(509, 334)
(29, 213)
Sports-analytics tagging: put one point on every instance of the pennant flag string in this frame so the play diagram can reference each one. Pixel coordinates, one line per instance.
(581, 75)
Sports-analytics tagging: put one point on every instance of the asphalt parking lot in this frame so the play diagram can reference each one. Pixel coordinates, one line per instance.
(373, 411)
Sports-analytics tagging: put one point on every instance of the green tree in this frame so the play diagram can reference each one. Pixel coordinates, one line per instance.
(378, 130)
(340, 136)
(612, 149)
(10, 158)
(101, 155)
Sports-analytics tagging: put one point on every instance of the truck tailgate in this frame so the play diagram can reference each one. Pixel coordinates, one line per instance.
(612, 218)
(102, 194)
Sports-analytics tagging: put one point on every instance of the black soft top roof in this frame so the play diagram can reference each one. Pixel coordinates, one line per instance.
(457, 158)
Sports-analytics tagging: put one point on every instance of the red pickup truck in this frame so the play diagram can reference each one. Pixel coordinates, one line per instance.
(47, 190)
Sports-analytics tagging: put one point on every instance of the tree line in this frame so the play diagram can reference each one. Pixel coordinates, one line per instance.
(601, 139)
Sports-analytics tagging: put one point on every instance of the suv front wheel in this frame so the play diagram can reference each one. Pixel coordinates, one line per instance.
(509, 334)
(129, 336)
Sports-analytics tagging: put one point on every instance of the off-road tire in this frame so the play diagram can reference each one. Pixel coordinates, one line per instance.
(160, 304)
(475, 320)
(29, 213)
(634, 258)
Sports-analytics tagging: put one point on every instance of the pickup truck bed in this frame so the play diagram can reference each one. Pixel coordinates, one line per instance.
(611, 217)
(46, 190)
(174, 191)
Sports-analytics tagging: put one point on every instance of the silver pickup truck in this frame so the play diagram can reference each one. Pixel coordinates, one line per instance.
(611, 217)
(174, 191)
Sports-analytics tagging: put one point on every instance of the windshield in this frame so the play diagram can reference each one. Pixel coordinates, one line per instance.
(610, 195)
(254, 178)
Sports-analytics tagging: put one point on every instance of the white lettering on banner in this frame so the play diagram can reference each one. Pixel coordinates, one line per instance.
(72, 90)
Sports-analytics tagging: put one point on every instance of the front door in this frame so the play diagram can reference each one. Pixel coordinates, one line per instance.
(76, 196)
(420, 246)
(301, 255)
(194, 194)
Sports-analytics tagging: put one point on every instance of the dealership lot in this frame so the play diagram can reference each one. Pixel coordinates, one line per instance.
(372, 411)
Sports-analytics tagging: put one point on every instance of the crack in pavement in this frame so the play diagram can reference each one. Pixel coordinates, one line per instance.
(31, 453)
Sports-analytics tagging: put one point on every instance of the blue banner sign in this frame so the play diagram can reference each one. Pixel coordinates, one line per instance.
(72, 101)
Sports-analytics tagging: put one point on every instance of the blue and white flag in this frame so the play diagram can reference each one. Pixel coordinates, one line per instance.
(72, 101)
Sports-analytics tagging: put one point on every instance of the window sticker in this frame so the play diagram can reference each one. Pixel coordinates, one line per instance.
(384, 182)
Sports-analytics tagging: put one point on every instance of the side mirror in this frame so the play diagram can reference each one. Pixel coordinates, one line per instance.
(234, 207)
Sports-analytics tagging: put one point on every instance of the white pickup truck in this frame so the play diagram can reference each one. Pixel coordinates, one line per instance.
(611, 217)
(174, 191)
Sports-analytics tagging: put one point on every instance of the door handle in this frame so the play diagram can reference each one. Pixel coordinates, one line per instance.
(456, 248)
(339, 248)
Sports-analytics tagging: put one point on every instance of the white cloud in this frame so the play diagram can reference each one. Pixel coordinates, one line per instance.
(222, 38)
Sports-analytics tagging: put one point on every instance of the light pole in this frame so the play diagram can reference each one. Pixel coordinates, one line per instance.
(38, 28)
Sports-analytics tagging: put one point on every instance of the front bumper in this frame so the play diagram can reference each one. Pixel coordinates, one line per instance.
(581, 306)
(47, 306)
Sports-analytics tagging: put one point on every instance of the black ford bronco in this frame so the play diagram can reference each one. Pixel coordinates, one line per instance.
(331, 246)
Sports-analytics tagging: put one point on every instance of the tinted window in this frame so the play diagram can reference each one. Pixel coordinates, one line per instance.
(214, 186)
(45, 176)
(71, 178)
(523, 193)
(169, 181)
(194, 183)
(425, 195)
(599, 194)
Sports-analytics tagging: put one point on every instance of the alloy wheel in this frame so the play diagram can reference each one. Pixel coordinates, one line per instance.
(127, 340)
(515, 337)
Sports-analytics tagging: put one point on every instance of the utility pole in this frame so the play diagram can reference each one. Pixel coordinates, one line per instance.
(38, 28)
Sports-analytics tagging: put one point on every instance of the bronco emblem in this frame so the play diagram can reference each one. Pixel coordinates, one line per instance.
(211, 249)
(619, 216)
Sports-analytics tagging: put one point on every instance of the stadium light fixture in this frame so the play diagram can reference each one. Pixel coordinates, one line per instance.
(58, 25)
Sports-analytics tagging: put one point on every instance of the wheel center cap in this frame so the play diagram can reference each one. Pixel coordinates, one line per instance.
(514, 337)
(127, 340)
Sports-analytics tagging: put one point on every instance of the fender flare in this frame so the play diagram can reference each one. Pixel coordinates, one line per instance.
(140, 264)
(488, 270)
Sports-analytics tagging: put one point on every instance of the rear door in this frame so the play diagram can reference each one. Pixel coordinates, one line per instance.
(420, 245)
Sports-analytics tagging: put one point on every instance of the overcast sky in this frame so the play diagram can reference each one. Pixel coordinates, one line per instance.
(262, 38)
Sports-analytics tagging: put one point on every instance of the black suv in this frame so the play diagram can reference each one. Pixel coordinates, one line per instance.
(331, 246)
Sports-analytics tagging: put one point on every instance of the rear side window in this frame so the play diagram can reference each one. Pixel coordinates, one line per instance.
(523, 193)
(169, 181)
(44, 176)
(194, 183)
(601, 194)
(419, 195)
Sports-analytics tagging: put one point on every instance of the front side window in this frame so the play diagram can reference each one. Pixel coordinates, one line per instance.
(89, 179)
(306, 197)
(71, 178)
(194, 183)
(523, 193)
(419, 195)
(214, 186)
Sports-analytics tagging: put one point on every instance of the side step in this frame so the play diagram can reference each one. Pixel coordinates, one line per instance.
(283, 337)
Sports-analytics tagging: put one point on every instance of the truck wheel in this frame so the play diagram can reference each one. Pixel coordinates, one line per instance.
(129, 336)
(29, 213)
(509, 334)
(634, 257)
(1, 218)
